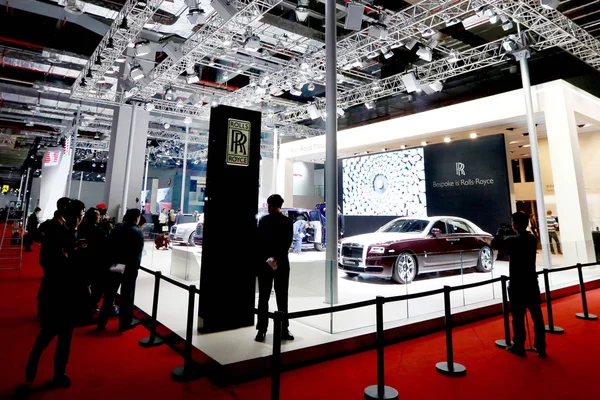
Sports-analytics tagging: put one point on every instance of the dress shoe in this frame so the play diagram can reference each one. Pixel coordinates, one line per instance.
(61, 381)
(542, 353)
(287, 335)
(260, 336)
(517, 350)
(132, 325)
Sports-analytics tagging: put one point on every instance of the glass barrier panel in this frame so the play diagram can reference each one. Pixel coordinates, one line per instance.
(478, 265)
(307, 288)
(433, 275)
(144, 291)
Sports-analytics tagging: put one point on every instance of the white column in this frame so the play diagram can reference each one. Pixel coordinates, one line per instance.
(567, 172)
(184, 169)
(285, 180)
(80, 183)
(116, 171)
(511, 178)
(154, 196)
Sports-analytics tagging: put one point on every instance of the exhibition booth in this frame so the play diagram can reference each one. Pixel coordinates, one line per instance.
(456, 173)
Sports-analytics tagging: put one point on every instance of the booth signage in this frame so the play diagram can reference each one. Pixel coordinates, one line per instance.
(238, 142)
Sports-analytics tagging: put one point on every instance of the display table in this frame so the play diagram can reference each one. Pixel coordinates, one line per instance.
(185, 263)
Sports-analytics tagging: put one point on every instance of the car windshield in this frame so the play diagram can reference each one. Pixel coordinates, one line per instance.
(405, 226)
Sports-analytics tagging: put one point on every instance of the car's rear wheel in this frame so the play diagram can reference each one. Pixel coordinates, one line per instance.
(191, 240)
(405, 268)
(485, 262)
(352, 274)
(319, 247)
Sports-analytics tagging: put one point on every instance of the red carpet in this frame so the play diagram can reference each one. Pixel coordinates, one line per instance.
(112, 365)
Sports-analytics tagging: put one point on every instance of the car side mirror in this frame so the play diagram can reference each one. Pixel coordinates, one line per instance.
(435, 232)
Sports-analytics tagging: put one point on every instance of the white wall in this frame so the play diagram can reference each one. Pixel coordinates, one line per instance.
(589, 143)
(304, 179)
(92, 193)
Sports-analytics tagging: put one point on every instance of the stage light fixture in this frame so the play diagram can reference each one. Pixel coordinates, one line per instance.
(141, 49)
(403, 147)
(340, 112)
(98, 60)
(149, 106)
(313, 112)
(214, 103)
(425, 54)
(224, 8)
(311, 87)
(192, 79)
(89, 74)
(120, 59)
(453, 57)
(427, 33)
(187, 120)
(424, 143)
(370, 104)
(447, 140)
(110, 44)
(354, 16)
(169, 94)
(411, 83)
(473, 135)
(510, 45)
(180, 103)
(123, 27)
(136, 73)
(252, 43)
(453, 21)
(302, 10)
(196, 14)
(550, 4)
(167, 125)
(410, 44)
(387, 53)
(295, 92)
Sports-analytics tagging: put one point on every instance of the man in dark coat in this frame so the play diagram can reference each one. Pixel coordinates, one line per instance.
(60, 295)
(275, 235)
(524, 290)
(32, 228)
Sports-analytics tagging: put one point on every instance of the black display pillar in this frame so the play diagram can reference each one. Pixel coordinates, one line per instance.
(227, 273)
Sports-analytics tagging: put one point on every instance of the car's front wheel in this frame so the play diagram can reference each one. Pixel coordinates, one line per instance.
(485, 263)
(405, 268)
(319, 247)
(191, 240)
(352, 274)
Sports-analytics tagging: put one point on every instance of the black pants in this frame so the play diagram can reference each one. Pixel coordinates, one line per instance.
(127, 284)
(266, 277)
(64, 332)
(28, 240)
(521, 299)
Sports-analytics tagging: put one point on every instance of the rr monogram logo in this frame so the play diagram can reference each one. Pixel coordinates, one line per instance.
(460, 169)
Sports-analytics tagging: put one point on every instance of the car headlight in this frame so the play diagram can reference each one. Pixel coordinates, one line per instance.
(377, 250)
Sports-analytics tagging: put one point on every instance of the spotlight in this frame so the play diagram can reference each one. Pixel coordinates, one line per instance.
(424, 143)
(509, 45)
(411, 83)
(224, 8)
(195, 99)
(196, 15)
(89, 74)
(180, 103)
(403, 147)
(187, 120)
(410, 44)
(453, 21)
(123, 27)
(149, 106)
(370, 105)
(169, 94)
(453, 57)
(295, 91)
(354, 16)
(506, 23)
(141, 49)
(425, 54)
(313, 112)
(473, 135)
(193, 78)
(214, 103)
(311, 87)
(167, 125)
(447, 140)
(427, 33)
(120, 59)
(340, 112)
(302, 10)
(549, 4)
(252, 43)
(111, 44)
(136, 73)
(494, 18)
(387, 53)
(83, 84)
(98, 60)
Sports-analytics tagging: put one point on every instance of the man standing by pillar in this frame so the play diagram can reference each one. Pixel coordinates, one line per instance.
(524, 290)
(552, 235)
(275, 234)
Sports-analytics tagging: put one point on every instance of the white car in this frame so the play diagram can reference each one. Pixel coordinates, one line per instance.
(184, 232)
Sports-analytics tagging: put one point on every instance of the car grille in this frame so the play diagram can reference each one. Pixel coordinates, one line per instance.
(352, 250)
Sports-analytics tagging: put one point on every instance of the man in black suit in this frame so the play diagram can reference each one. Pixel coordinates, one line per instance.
(524, 290)
(275, 235)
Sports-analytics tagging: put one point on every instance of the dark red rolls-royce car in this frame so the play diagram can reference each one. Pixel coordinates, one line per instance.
(408, 246)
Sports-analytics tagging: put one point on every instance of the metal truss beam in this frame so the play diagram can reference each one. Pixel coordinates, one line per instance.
(90, 144)
(193, 50)
(137, 16)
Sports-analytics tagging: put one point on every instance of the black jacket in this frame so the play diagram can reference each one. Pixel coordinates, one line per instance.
(275, 236)
(126, 245)
(522, 250)
(32, 224)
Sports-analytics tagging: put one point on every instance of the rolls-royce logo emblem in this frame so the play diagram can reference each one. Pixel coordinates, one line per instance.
(460, 168)
(238, 143)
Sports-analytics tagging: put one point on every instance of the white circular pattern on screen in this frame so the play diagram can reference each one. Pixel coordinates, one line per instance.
(391, 184)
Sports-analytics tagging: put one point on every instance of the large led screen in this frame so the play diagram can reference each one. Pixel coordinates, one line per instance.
(385, 184)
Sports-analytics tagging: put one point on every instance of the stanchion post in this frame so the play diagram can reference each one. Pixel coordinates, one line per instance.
(504, 343)
(187, 372)
(380, 391)
(585, 314)
(153, 340)
(550, 328)
(449, 367)
(276, 356)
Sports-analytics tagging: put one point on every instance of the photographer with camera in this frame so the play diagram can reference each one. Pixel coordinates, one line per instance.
(524, 290)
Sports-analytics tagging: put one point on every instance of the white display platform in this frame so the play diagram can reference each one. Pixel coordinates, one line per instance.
(185, 262)
(307, 288)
